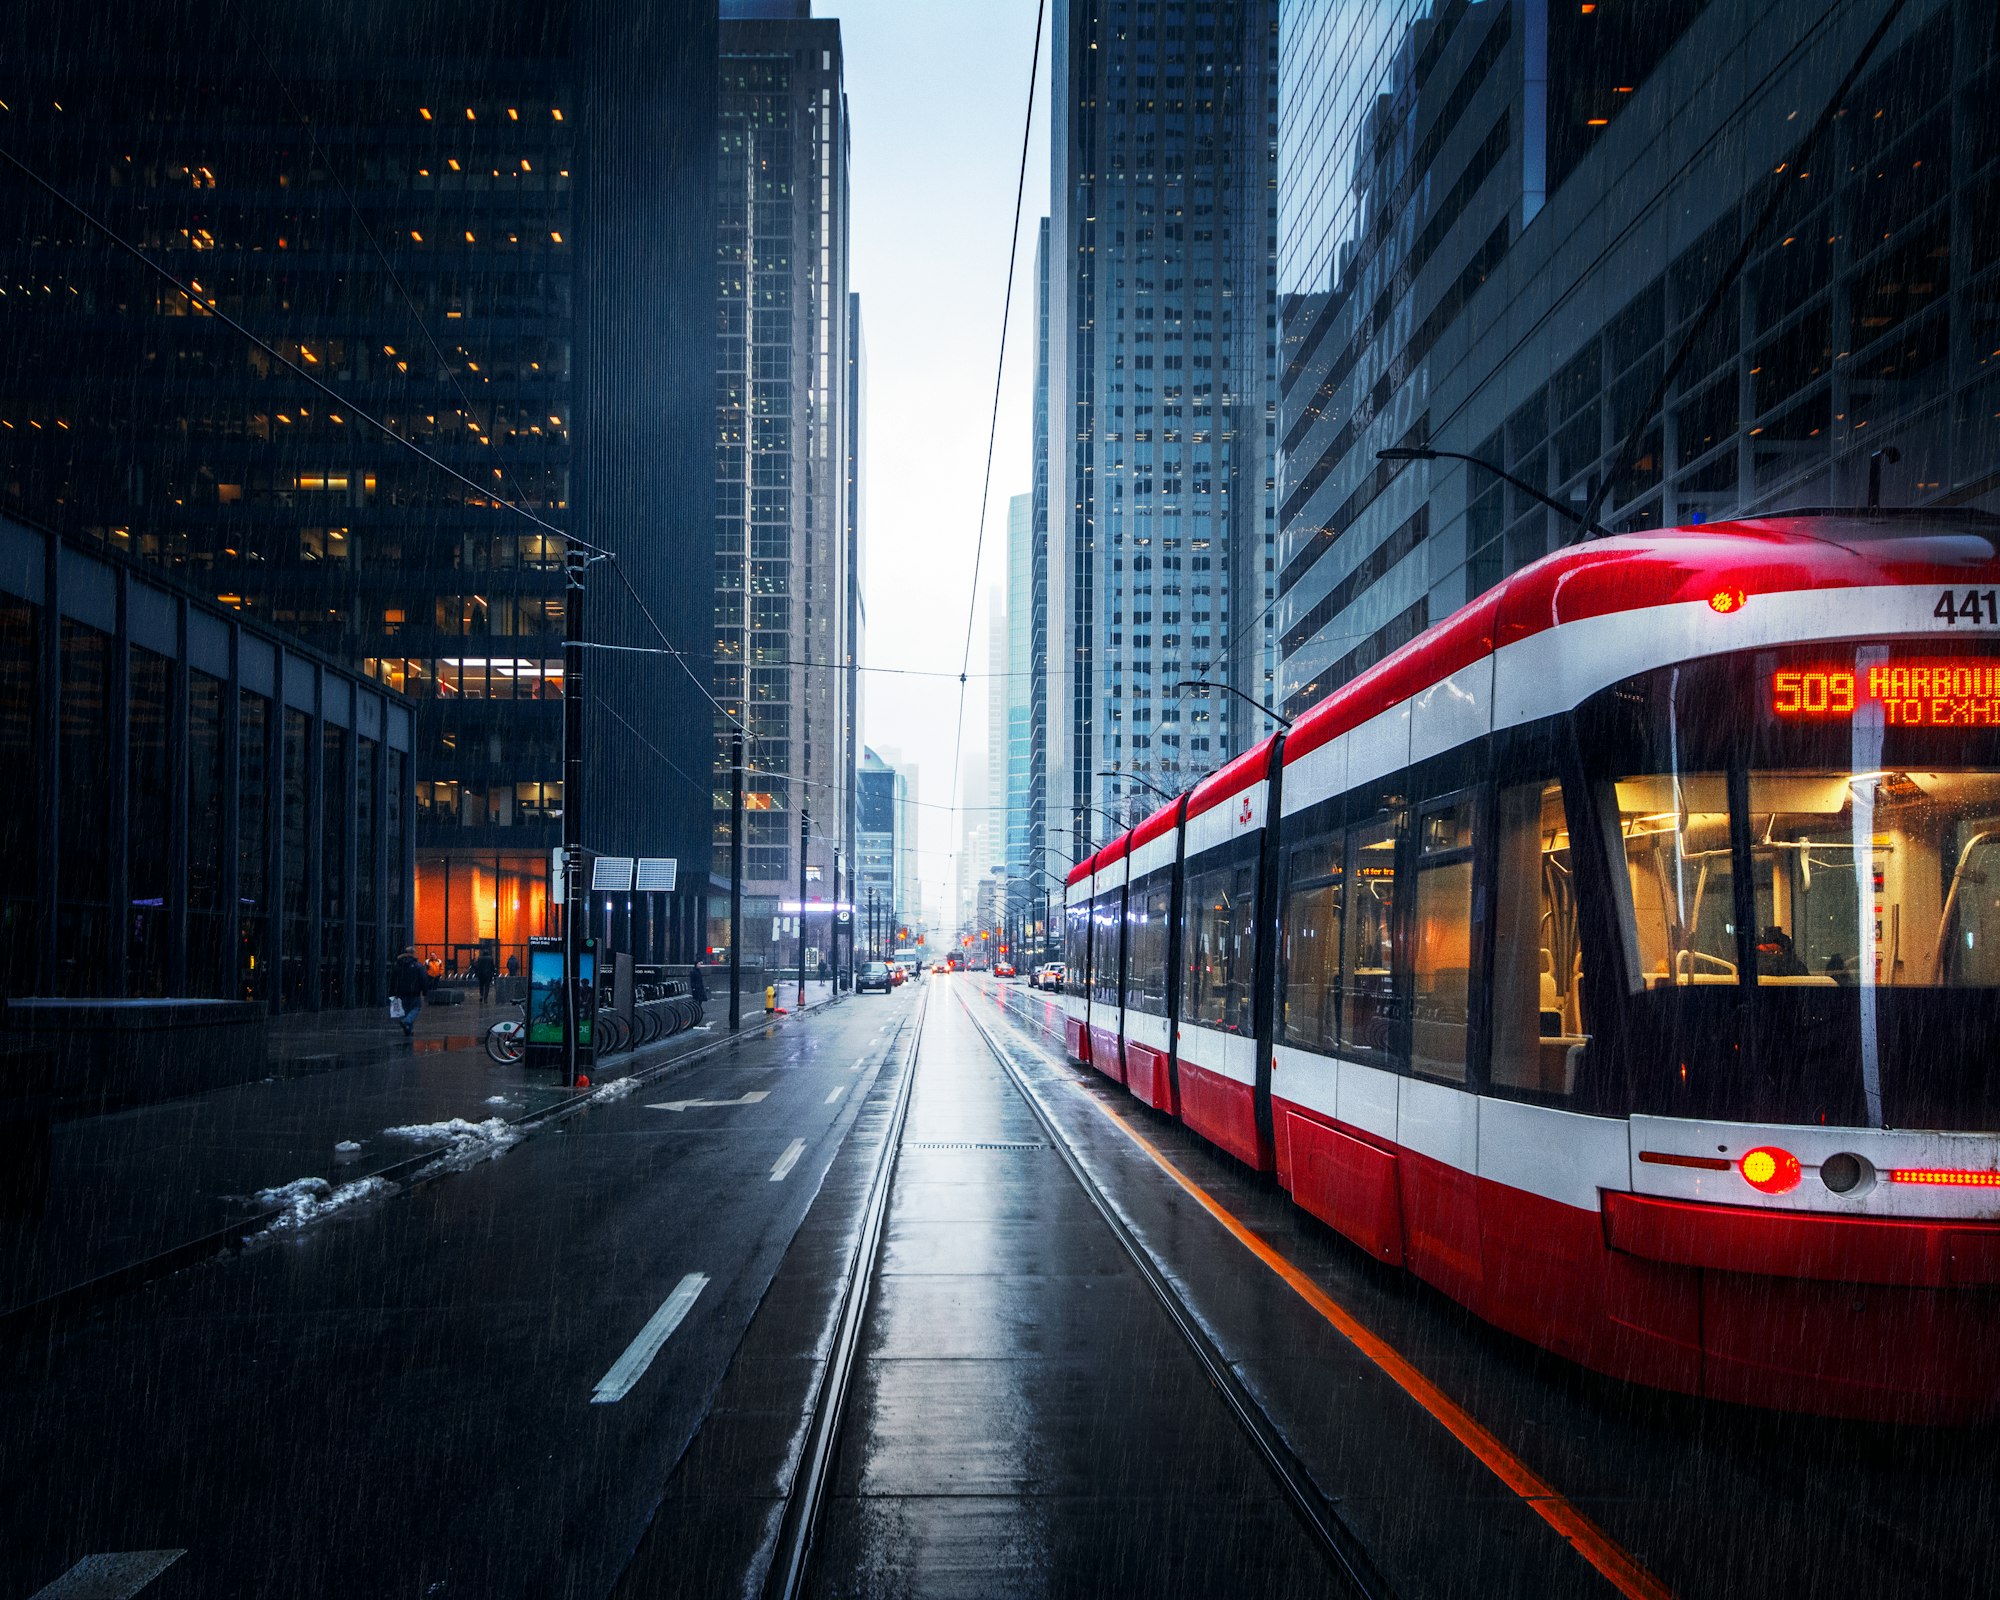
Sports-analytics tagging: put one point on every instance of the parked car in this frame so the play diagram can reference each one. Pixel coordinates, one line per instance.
(874, 975)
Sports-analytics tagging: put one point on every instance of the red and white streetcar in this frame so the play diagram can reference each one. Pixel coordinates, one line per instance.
(1621, 956)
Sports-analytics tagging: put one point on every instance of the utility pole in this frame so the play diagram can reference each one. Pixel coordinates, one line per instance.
(736, 880)
(575, 912)
(833, 921)
(805, 828)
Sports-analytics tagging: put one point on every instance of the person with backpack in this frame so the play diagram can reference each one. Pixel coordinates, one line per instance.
(483, 969)
(407, 983)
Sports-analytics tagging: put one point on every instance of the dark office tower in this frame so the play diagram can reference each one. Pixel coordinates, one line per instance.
(1163, 366)
(783, 545)
(1037, 862)
(1499, 223)
(487, 230)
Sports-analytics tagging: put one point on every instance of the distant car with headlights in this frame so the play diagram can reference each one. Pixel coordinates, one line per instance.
(874, 975)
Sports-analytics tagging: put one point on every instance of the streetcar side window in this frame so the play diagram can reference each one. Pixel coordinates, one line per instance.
(1368, 1009)
(1106, 915)
(1076, 948)
(1441, 947)
(1539, 1027)
(1146, 954)
(1310, 950)
(1220, 928)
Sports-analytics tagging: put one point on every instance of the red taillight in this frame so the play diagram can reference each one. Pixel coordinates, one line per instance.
(1769, 1170)
(1946, 1177)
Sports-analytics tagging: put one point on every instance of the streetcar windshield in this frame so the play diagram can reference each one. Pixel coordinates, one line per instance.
(1889, 878)
(1803, 871)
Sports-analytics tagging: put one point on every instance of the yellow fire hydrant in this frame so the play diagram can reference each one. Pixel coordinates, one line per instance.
(770, 998)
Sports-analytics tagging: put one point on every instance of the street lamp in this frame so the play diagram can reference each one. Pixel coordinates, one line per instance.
(1205, 683)
(1426, 453)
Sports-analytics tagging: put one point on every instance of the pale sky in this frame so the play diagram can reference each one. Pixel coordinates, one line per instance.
(936, 90)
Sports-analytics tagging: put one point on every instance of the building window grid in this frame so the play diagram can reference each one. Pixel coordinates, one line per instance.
(1681, 477)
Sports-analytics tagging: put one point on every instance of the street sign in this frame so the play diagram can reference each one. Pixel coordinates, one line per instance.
(611, 875)
(657, 874)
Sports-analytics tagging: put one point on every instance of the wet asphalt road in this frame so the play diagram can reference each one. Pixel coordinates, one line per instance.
(399, 1401)
(438, 1394)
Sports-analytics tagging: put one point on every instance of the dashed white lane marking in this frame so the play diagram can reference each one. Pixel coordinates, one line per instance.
(629, 1368)
(116, 1575)
(750, 1098)
(859, 1063)
(836, 1093)
(788, 1160)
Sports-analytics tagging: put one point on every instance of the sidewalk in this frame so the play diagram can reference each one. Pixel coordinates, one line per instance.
(133, 1187)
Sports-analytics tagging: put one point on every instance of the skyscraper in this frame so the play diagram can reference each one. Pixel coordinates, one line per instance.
(786, 470)
(1162, 381)
(1500, 223)
(484, 233)
(1037, 866)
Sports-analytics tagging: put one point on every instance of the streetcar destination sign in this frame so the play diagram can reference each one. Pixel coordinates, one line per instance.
(1952, 693)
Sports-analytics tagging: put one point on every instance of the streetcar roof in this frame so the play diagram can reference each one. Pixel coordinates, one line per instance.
(1165, 820)
(1636, 572)
(1832, 548)
(1252, 766)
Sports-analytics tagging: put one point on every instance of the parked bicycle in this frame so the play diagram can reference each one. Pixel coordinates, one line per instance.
(507, 1040)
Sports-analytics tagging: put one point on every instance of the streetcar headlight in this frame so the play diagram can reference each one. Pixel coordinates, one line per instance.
(1769, 1170)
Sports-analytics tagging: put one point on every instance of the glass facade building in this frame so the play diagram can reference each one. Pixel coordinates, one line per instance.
(475, 230)
(787, 490)
(209, 809)
(882, 815)
(1163, 366)
(1499, 223)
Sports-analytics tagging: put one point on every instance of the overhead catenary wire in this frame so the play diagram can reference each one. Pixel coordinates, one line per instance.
(999, 373)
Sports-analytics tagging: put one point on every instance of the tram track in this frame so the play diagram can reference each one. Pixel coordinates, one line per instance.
(789, 1575)
(805, 1505)
(1346, 1558)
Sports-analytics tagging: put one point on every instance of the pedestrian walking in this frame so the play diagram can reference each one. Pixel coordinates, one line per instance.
(696, 987)
(483, 969)
(407, 983)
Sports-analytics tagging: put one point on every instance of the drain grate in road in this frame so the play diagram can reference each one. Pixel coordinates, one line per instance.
(973, 1144)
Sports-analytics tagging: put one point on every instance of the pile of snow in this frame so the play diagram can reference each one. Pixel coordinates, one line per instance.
(347, 1147)
(498, 1100)
(305, 1200)
(616, 1089)
(464, 1143)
